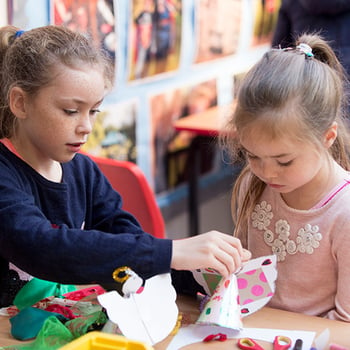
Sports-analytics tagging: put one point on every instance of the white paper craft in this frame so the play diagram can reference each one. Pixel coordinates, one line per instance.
(223, 308)
(149, 315)
(239, 295)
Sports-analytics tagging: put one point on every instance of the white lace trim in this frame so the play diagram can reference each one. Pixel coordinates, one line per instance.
(307, 240)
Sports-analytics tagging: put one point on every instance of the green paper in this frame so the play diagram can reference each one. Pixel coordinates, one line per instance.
(37, 289)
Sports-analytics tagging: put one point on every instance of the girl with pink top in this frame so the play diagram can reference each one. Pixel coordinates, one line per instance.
(292, 198)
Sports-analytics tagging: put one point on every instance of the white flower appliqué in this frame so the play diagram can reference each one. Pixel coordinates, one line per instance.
(307, 240)
(262, 215)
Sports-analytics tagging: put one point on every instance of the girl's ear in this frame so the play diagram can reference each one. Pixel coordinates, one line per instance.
(330, 135)
(17, 102)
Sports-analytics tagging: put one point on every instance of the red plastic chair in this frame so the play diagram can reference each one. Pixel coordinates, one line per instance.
(138, 197)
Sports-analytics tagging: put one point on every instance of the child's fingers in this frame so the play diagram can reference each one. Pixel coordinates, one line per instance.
(247, 255)
(226, 258)
(215, 250)
(229, 255)
(224, 264)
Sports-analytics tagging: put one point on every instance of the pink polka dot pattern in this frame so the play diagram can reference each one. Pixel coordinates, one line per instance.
(242, 283)
(262, 277)
(252, 286)
(257, 290)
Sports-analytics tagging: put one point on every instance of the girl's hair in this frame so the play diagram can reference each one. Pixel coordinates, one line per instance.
(287, 91)
(29, 60)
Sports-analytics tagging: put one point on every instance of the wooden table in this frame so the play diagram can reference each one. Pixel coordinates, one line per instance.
(206, 125)
(264, 318)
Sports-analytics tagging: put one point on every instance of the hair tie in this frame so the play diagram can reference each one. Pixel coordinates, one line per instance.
(19, 33)
(306, 49)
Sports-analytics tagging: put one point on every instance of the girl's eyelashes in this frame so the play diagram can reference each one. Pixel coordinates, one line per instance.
(285, 163)
(95, 111)
(70, 111)
(282, 164)
(74, 111)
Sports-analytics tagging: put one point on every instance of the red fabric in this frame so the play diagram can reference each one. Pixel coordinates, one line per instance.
(82, 293)
(62, 310)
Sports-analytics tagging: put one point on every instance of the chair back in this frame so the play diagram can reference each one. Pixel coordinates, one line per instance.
(137, 195)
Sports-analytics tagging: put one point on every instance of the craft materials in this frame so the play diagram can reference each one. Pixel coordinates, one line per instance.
(248, 344)
(298, 345)
(238, 295)
(280, 343)
(218, 336)
(195, 333)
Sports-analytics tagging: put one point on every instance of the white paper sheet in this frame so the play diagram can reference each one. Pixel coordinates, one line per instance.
(196, 333)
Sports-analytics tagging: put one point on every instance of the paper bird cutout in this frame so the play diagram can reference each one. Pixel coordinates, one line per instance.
(239, 295)
(148, 314)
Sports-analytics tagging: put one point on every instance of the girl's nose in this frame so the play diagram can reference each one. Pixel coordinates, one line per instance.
(268, 171)
(85, 125)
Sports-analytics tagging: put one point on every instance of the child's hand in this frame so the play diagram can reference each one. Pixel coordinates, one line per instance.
(247, 255)
(216, 250)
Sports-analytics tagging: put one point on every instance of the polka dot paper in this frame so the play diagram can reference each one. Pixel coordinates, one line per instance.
(239, 295)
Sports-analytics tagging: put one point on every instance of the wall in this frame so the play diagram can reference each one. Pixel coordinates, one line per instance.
(129, 113)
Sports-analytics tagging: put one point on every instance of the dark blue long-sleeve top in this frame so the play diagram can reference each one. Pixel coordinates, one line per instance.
(71, 232)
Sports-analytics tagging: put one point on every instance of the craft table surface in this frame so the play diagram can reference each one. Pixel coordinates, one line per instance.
(264, 318)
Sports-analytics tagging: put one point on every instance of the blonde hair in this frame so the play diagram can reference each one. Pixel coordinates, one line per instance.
(288, 90)
(29, 60)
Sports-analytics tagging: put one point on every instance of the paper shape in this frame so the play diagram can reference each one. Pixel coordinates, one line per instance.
(223, 307)
(256, 283)
(149, 315)
(247, 291)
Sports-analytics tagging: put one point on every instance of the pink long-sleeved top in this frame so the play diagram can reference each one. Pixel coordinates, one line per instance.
(313, 250)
